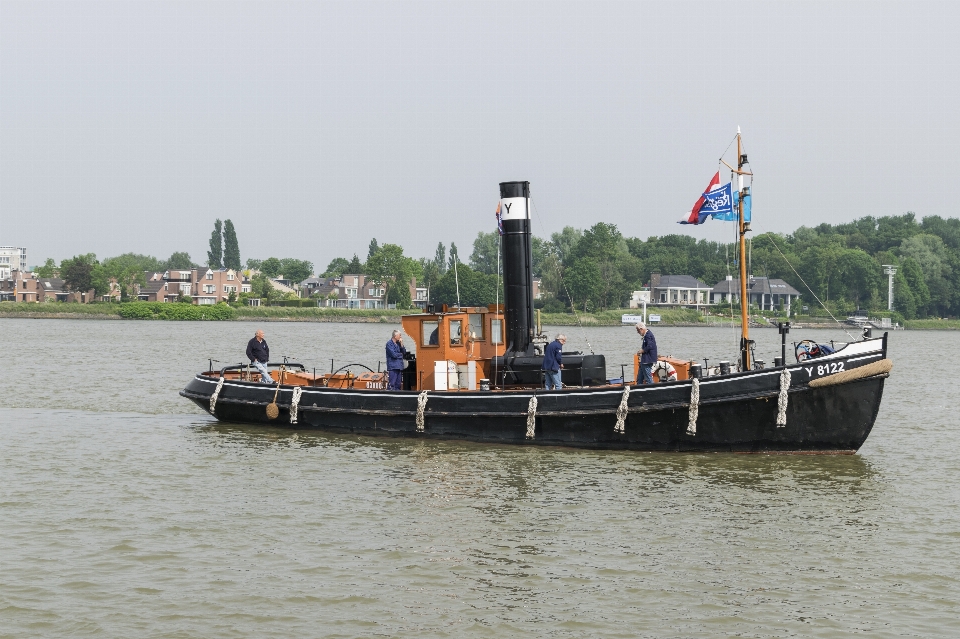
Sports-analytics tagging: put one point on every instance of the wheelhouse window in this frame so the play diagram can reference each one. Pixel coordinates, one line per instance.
(496, 331)
(456, 327)
(430, 333)
(476, 326)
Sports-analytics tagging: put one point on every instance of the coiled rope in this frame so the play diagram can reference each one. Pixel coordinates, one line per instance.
(421, 407)
(782, 399)
(531, 417)
(216, 394)
(694, 407)
(295, 403)
(622, 410)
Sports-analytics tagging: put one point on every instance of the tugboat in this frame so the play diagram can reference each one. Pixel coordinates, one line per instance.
(476, 375)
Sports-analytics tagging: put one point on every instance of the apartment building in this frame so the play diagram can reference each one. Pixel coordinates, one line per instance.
(12, 258)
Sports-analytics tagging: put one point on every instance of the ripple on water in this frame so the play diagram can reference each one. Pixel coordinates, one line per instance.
(115, 522)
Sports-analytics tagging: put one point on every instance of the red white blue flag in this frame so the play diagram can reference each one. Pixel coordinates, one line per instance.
(715, 201)
(500, 220)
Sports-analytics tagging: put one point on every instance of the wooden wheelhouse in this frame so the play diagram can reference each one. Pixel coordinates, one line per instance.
(455, 347)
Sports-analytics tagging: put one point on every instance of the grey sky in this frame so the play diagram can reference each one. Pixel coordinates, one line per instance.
(130, 126)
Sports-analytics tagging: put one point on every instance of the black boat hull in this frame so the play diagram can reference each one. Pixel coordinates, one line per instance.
(735, 413)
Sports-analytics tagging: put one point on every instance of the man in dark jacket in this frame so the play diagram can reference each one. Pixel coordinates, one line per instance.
(553, 362)
(647, 352)
(259, 354)
(395, 353)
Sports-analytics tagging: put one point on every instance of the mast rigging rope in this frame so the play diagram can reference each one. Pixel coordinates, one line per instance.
(565, 290)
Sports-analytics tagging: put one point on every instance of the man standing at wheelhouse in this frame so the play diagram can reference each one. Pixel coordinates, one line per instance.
(395, 353)
(647, 352)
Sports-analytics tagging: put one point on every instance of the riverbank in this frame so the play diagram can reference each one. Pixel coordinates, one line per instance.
(222, 312)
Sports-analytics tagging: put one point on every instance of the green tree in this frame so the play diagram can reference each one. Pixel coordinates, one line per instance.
(934, 259)
(215, 254)
(373, 248)
(859, 276)
(231, 248)
(253, 264)
(476, 289)
(486, 250)
(271, 267)
(296, 270)
(129, 271)
(49, 269)
(179, 261)
(454, 256)
(337, 267)
(565, 241)
(388, 267)
(355, 265)
(261, 287)
(583, 282)
(82, 273)
(440, 258)
(430, 275)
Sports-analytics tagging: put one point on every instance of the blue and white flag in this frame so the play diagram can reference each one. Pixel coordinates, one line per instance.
(718, 204)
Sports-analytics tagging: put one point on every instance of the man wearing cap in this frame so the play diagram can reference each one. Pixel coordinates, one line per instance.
(647, 352)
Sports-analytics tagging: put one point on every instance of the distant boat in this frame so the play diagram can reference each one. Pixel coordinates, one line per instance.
(476, 376)
(859, 318)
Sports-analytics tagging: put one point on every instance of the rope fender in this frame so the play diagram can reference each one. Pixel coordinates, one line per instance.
(421, 407)
(531, 417)
(622, 410)
(869, 370)
(694, 407)
(782, 399)
(295, 403)
(216, 394)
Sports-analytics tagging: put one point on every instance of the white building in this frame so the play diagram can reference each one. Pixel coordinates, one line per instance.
(12, 258)
(639, 298)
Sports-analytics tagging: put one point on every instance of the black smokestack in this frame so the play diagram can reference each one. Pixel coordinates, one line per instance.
(517, 266)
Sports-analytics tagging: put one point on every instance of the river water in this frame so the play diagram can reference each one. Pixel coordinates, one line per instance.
(127, 512)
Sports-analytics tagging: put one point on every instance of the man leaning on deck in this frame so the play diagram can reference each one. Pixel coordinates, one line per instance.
(553, 363)
(259, 354)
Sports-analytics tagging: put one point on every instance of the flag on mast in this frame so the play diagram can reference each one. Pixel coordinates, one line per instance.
(716, 202)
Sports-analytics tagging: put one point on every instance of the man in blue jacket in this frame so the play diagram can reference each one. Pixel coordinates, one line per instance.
(395, 353)
(259, 354)
(553, 362)
(647, 352)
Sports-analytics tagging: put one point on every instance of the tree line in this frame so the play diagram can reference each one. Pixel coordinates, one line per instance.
(598, 268)
(842, 264)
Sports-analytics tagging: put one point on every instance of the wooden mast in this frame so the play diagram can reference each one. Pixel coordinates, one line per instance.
(745, 363)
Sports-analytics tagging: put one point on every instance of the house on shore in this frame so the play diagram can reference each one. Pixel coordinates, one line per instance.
(767, 294)
(678, 290)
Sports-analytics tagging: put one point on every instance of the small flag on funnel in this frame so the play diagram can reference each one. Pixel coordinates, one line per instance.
(500, 220)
